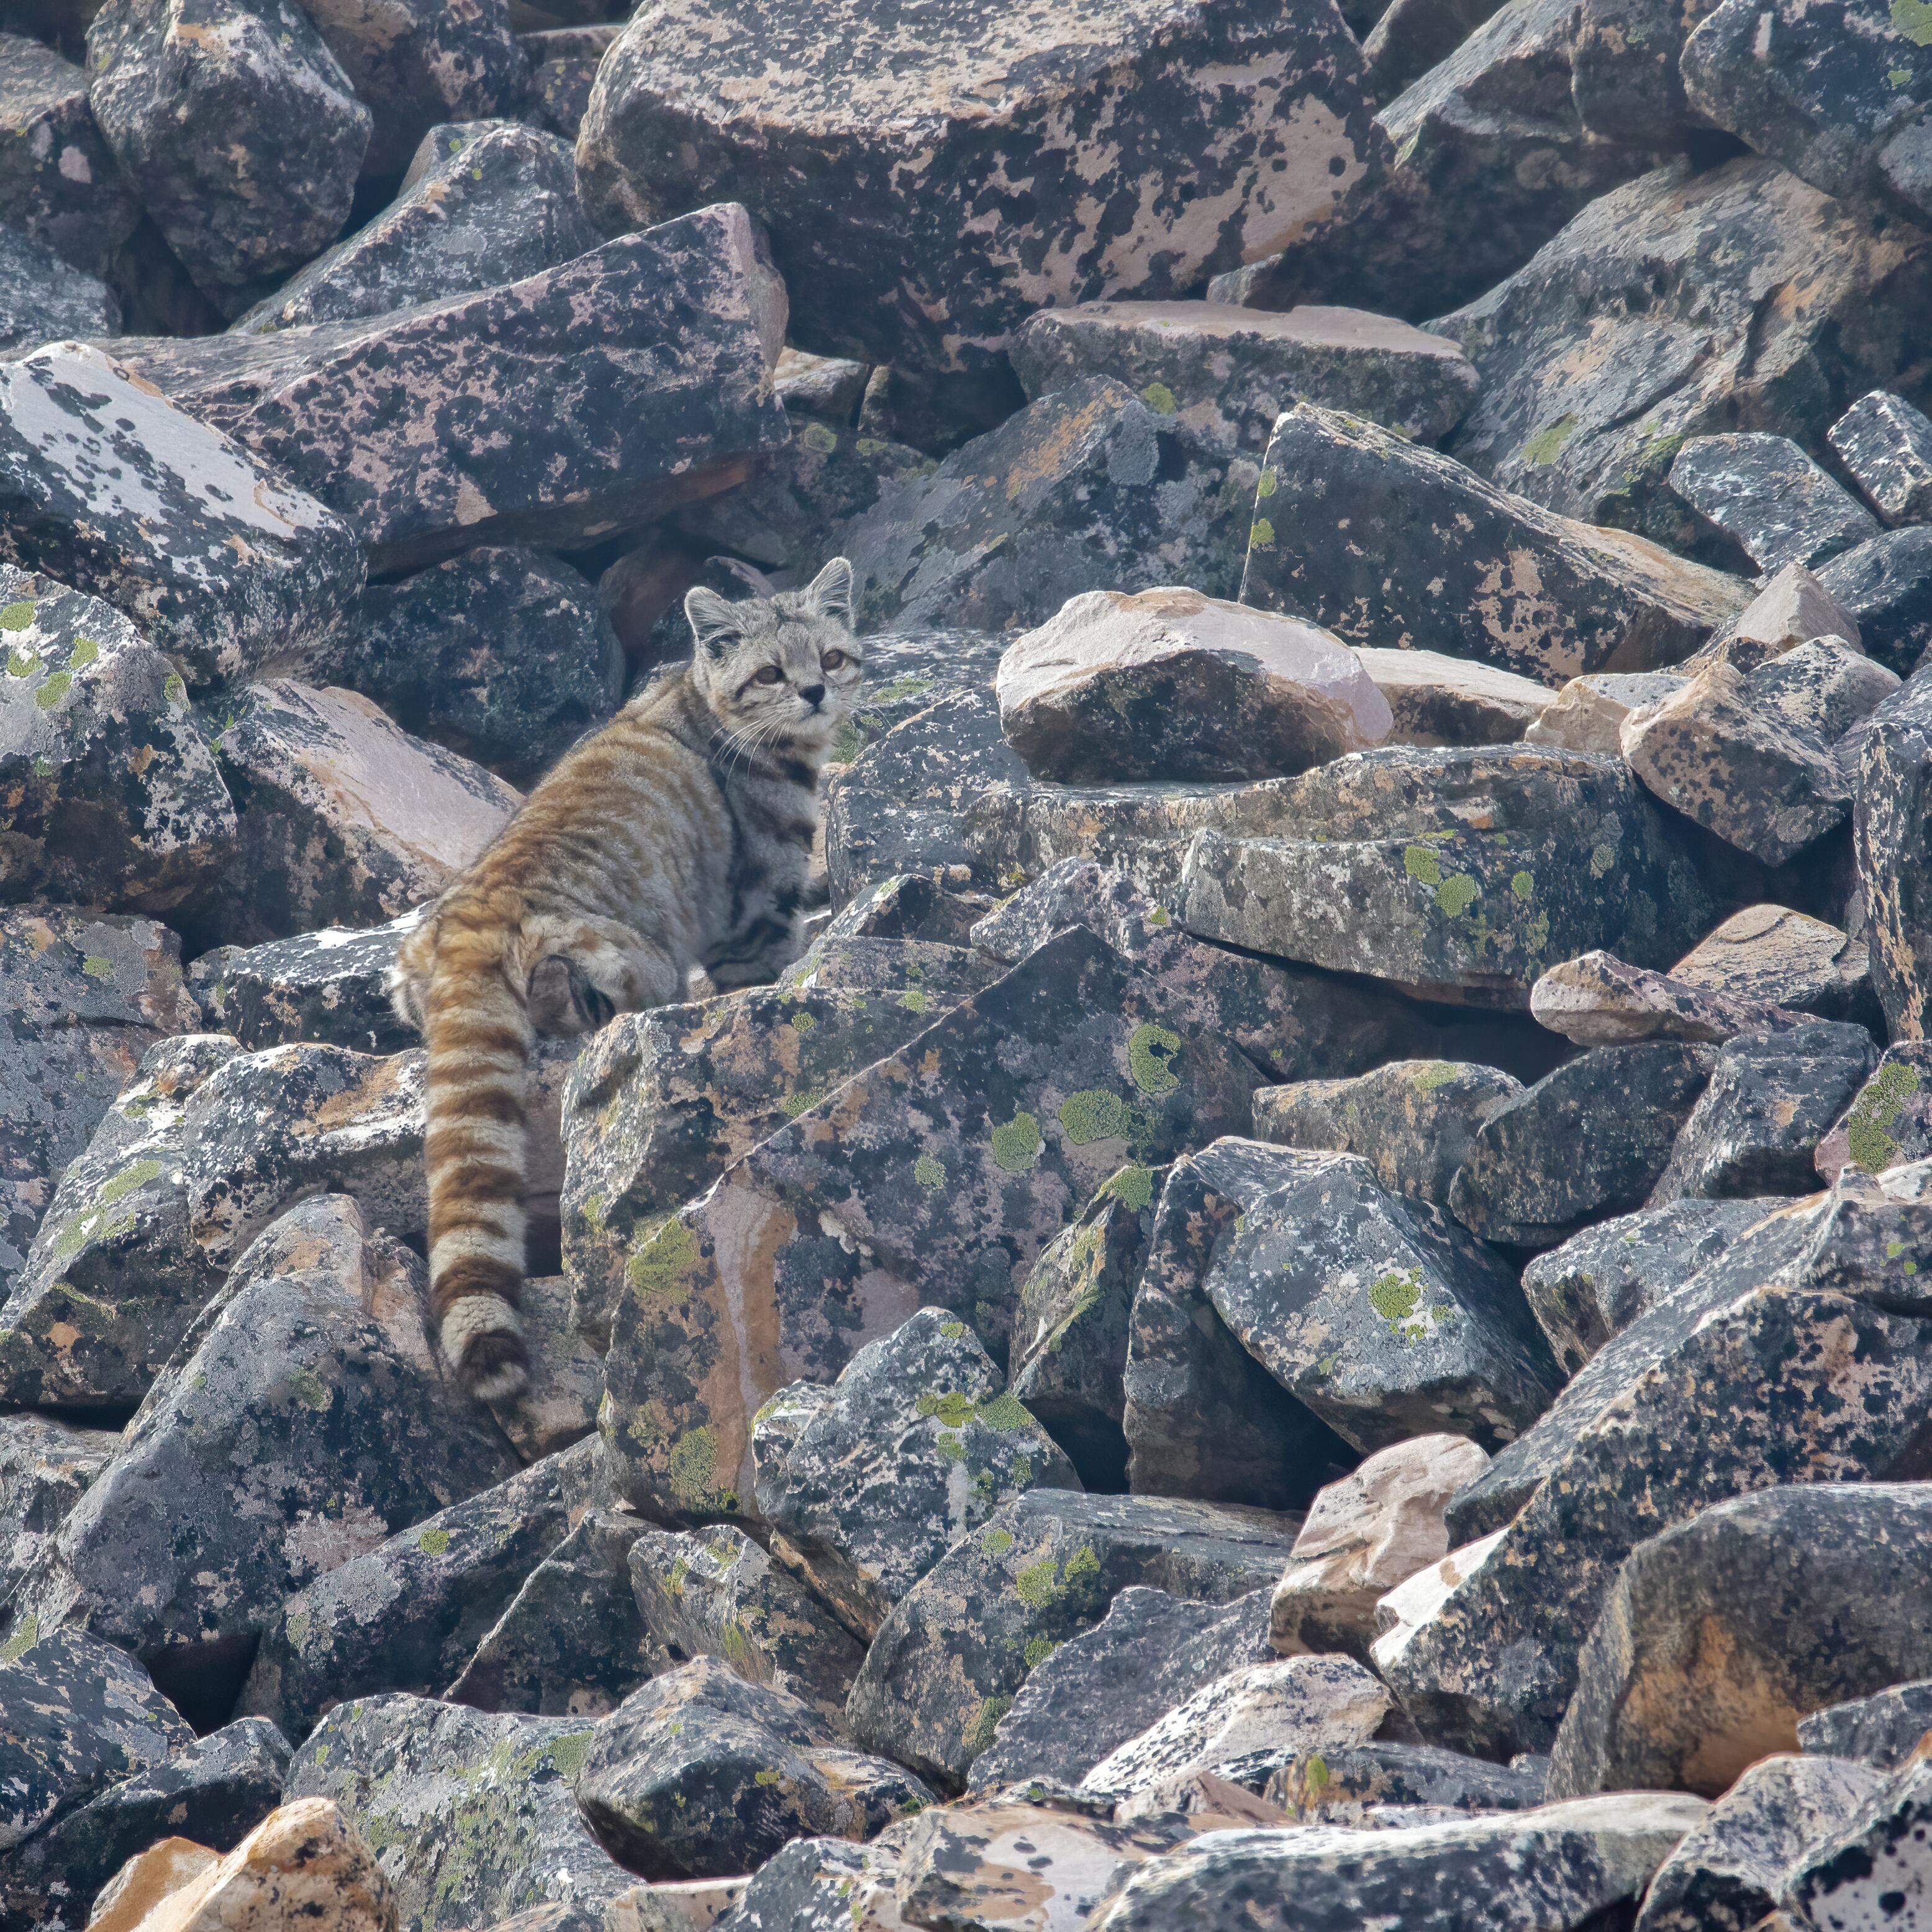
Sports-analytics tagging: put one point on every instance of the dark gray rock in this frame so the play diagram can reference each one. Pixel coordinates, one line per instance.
(328, 986)
(239, 211)
(45, 299)
(906, 673)
(1886, 445)
(951, 1658)
(700, 1774)
(1626, 77)
(1876, 1866)
(1723, 1630)
(1892, 836)
(1882, 1729)
(1592, 1138)
(937, 976)
(564, 62)
(1886, 584)
(908, 905)
(45, 1469)
(1826, 686)
(1350, 1787)
(915, 1446)
(58, 183)
(819, 1885)
(1438, 558)
(1406, 38)
(1770, 499)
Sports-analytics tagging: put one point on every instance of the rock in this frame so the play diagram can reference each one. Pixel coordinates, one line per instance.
(109, 487)
(1791, 610)
(1772, 1098)
(45, 1469)
(474, 1813)
(1589, 712)
(917, 1444)
(1087, 489)
(938, 977)
(1413, 1120)
(908, 671)
(1724, 1630)
(1373, 1530)
(218, 1788)
(1596, 1283)
(1770, 499)
(1882, 1729)
(1100, 1689)
(1462, 874)
(1358, 1787)
(1598, 1000)
(238, 214)
(1826, 687)
(1195, 168)
(1785, 958)
(165, 1869)
(75, 1714)
(1560, 1867)
(85, 995)
(1889, 1121)
(1625, 75)
(492, 203)
(700, 1773)
(1403, 41)
(1436, 699)
(326, 985)
(930, 1209)
(1497, 578)
(1886, 584)
(575, 404)
(1641, 325)
(949, 1661)
(1841, 104)
(1731, 1871)
(1169, 684)
(1227, 373)
(304, 1420)
(1892, 831)
(822, 1885)
(43, 298)
(345, 818)
(908, 905)
(58, 181)
(564, 62)
(1886, 445)
(409, 1614)
(1877, 1865)
(716, 1593)
(560, 1406)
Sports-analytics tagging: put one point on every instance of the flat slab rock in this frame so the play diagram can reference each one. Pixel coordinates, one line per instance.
(1598, 1000)
(1435, 699)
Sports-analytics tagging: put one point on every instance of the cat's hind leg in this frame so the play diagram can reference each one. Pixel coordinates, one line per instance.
(585, 972)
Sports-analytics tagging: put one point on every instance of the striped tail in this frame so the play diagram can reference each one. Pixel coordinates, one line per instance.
(479, 1051)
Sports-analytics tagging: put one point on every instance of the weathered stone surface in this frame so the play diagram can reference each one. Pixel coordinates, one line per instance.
(1791, 610)
(303, 1420)
(346, 819)
(1456, 874)
(823, 1885)
(1890, 1120)
(408, 1615)
(917, 1443)
(161, 73)
(1882, 1729)
(1724, 1630)
(699, 1773)
(164, 1870)
(1891, 835)
(44, 299)
(58, 182)
(559, 1407)
(1644, 323)
(560, 409)
(1599, 1000)
(1227, 373)
(473, 1814)
(939, 976)
(564, 62)
(908, 905)
(45, 1469)
(1565, 1867)
(1029, 1095)
(1785, 958)
(1155, 150)
(1770, 499)
(1588, 713)
(949, 1661)
(1436, 699)
(1886, 584)
(1359, 1786)
(1598, 1282)
(1371, 1532)
(1772, 1098)
(906, 673)
(716, 1593)
(1088, 489)
(75, 1715)
(1169, 684)
(1886, 445)
(1825, 685)
(325, 985)
(1877, 1866)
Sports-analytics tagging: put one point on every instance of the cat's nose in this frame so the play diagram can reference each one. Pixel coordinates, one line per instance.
(814, 694)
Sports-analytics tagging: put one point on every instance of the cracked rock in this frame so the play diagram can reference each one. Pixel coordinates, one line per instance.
(1770, 499)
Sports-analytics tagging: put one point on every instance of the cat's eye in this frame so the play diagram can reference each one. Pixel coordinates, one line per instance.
(833, 661)
(771, 674)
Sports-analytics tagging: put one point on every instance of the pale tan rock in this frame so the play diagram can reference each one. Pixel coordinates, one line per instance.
(1786, 959)
(1791, 610)
(1589, 711)
(1598, 1000)
(1436, 699)
(1364, 1536)
(679, 1905)
(147, 1880)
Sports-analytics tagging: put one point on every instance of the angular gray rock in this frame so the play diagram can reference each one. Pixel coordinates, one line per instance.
(1882, 1729)
(326, 985)
(44, 299)
(58, 183)
(1886, 584)
(1891, 835)
(1770, 499)
(1438, 700)
(1589, 711)
(1599, 1000)
(1886, 446)
(1791, 610)
(45, 1469)
(1358, 1787)
(1876, 1865)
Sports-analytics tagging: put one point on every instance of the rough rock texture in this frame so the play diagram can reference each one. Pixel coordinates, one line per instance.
(1886, 584)
(1438, 700)
(1882, 1729)
(43, 298)
(1890, 1121)
(915, 1446)
(1207, 136)
(1359, 1787)
(1791, 610)
(1785, 958)
(1892, 831)
(1499, 578)
(58, 181)
(1588, 713)
(45, 1469)
(326, 985)
(1599, 1000)
(1877, 1865)
(1770, 499)
(1886, 445)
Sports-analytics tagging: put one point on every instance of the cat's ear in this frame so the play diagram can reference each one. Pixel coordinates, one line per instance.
(714, 620)
(831, 591)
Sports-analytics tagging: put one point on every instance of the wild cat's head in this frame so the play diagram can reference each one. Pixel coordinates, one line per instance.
(782, 669)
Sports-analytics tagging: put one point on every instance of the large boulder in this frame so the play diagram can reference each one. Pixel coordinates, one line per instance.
(1770, 499)
(1598, 1000)
(1889, 1122)
(58, 181)
(329, 985)
(45, 1469)
(1877, 1863)
(1892, 832)
(1886, 584)
(1783, 957)
(45, 299)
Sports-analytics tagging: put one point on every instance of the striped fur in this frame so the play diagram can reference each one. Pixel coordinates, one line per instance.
(678, 835)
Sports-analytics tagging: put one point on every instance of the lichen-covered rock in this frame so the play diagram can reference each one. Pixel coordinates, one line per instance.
(908, 905)
(44, 299)
(1826, 686)
(699, 1773)
(408, 1615)
(1889, 1121)
(1791, 610)
(1366, 1535)
(1600, 1001)
(1589, 712)
(1785, 958)
(938, 976)
(242, 210)
(1886, 446)
(75, 1715)
(1438, 700)
(1588, 395)
(1891, 835)
(1435, 556)
(1353, 1787)
(1227, 373)
(1566, 1868)
(1877, 1866)
(1770, 499)
(472, 1815)
(822, 1885)
(1455, 873)
(1142, 150)
(946, 1666)
(1088, 489)
(346, 819)
(304, 1420)
(934, 1178)
(1882, 1729)
(45, 1469)
(58, 182)
(325, 985)
(918, 1444)
(1724, 1630)
(1886, 584)
(1772, 1097)
(1590, 1139)
(564, 62)
(1169, 684)
(559, 410)
(716, 1593)
(907, 672)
